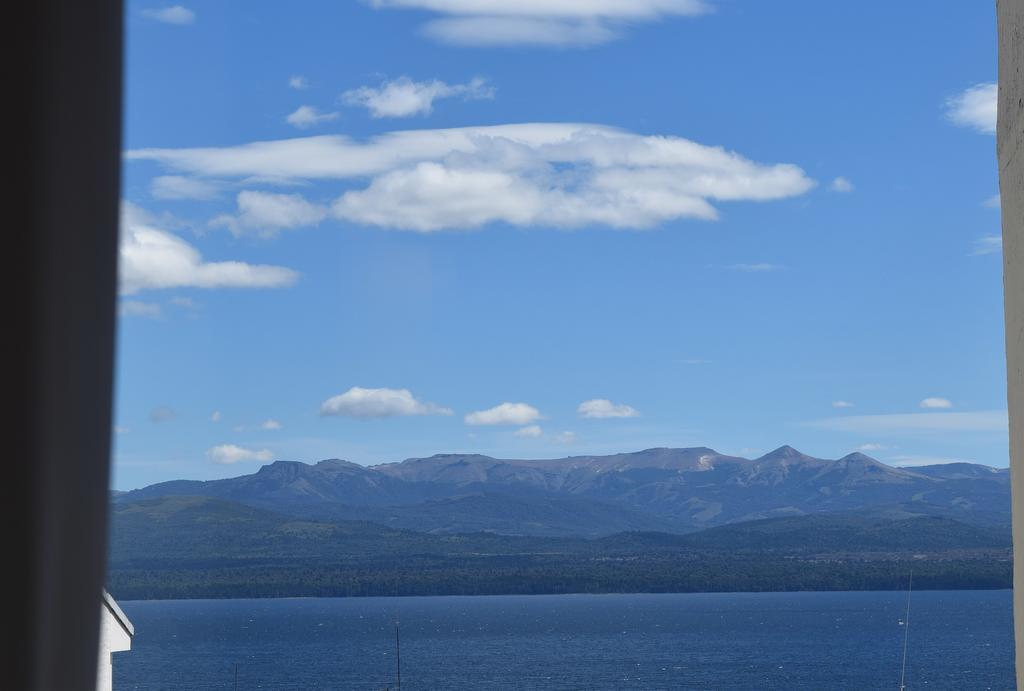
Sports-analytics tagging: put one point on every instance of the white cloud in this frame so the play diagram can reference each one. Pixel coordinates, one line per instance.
(358, 402)
(226, 454)
(565, 437)
(118, 429)
(935, 402)
(504, 414)
(180, 187)
(530, 432)
(216, 416)
(162, 413)
(603, 408)
(403, 97)
(270, 425)
(539, 22)
(433, 197)
(151, 259)
(841, 184)
(993, 202)
(870, 447)
(756, 268)
(989, 244)
(913, 423)
(975, 108)
(842, 404)
(137, 308)
(266, 213)
(305, 117)
(483, 31)
(174, 14)
(298, 82)
(557, 174)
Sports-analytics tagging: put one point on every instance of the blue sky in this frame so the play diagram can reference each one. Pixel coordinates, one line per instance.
(376, 230)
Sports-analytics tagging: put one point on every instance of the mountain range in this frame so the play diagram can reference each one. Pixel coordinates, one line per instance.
(663, 489)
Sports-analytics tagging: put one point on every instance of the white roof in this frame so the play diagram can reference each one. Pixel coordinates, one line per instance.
(122, 619)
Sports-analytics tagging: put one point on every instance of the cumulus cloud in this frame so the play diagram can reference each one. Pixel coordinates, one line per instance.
(539, 22)
(363, 403)
(841, 404)
(916, 423)
(174, 14)
(975, 108)
(162, 413)
(403, 97)
(603, 408)
(565, 437)
(935, 402)
(215, 417)
(137, 308)
(298, 82)
(267, 213)
(271, 424)
(841, 184)
(993, 202)
(530, 432)
(305, 117)
(504, 414)
(226, 454)
(482, 31)
(180, 187)
(151, 259)
(988, 244)
(556, 174)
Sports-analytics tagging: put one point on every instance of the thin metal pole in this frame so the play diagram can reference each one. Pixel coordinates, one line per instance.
(906, 633)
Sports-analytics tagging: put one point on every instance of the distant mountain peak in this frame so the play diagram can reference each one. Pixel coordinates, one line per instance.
(857, 457)
(336, 464)
(674, 450)
(783, 453)
(281, 465)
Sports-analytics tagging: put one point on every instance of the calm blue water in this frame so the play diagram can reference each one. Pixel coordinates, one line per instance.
(958, 640)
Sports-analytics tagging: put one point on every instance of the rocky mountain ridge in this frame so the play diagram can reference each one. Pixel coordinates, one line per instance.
(674, 490)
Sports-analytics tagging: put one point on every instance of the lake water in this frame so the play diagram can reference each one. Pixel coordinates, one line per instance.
(848, 640)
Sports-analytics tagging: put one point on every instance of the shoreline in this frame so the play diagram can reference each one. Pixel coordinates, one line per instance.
(572, 594)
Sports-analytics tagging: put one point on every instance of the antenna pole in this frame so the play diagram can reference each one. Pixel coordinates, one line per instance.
(906, 633)
(398, 656)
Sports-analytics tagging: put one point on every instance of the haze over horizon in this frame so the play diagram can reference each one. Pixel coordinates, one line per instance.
(376, 231)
